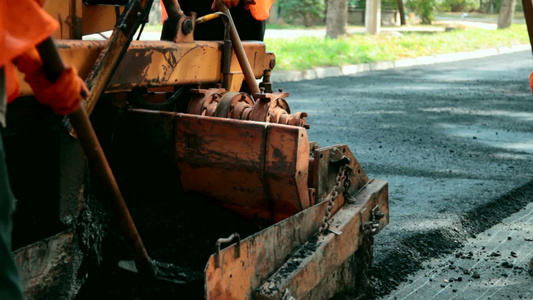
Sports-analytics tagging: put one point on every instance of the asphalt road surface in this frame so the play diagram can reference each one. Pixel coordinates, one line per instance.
(455, 142)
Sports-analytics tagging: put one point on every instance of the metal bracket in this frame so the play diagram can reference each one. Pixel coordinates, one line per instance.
(373, 225)
(337, 159)
(349, 195)
(179, 28)
(377, 214)
(230, 239)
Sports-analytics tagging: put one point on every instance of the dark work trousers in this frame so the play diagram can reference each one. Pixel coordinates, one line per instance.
(10, 285)
(249, 29)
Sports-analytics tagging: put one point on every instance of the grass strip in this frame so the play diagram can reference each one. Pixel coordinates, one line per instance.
(309, 52)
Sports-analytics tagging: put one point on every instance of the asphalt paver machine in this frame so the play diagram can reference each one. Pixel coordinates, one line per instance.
(211, 173)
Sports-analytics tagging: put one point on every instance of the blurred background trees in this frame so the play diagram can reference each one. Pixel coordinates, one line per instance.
(423, 8)
(308, 11)
(314, 12)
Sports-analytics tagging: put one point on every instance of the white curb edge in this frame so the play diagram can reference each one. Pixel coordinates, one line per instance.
(323, 72)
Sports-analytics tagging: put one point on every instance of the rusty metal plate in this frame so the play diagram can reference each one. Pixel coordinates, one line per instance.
(77, 19)
(47, 265)
(325, 173)
(260, 255)
(68, 15)
(161, 63)
(98, 18)
(308, 267)
(286, 169)
(257, 169)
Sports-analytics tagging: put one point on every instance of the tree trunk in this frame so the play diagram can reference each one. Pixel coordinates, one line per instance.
(373, 16)
(309, 20)
(505, 18)
(528, 14)
(402, 12)
(274, 14)
(336, 18)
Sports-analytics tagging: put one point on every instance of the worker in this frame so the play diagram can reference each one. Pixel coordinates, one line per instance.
(249, 17)
(23, 25)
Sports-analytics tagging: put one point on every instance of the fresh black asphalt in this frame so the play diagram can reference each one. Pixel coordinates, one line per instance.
(454, 141)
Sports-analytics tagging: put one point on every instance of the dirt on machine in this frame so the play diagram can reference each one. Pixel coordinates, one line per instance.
(213, 188)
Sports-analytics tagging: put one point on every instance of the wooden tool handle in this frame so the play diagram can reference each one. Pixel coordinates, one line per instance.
(53, 66)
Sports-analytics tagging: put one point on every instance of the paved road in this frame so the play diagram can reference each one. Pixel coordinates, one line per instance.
(455, 142)
(492, 265)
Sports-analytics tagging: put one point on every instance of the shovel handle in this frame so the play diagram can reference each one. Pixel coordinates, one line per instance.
(53, 66)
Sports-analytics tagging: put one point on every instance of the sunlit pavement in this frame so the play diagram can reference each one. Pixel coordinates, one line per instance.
(455, 142)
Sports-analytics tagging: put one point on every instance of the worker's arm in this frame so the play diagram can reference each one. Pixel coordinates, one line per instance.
(63, 95)
(23, 25)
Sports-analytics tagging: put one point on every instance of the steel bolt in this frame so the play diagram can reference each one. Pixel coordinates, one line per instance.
(186, 26)
(272, 63)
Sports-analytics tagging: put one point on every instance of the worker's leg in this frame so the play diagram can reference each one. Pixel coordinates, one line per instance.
(247, 27)
(10, 285)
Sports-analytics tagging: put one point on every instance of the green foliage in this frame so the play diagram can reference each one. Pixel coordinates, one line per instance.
(492, 6)
(389, 4)
(385, 4)
(458, 5)
(310, 52)
(360, 4)
(307, 10)
(519, 7)
(423, 8)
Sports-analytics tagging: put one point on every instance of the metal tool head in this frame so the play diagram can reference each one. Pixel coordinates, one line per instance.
(164, 271)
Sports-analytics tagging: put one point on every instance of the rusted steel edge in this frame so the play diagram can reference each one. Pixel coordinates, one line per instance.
(329, 251)
(34, 259)
(117, 45)
(528, 14)
(260, 255)
(172, 72)
(239, 51)
(53, 67)
(46, 265)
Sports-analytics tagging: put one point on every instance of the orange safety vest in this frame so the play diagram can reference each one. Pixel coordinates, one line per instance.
(23, 24)
(261, 9)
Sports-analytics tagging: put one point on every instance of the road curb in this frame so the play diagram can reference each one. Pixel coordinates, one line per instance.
(323, 72)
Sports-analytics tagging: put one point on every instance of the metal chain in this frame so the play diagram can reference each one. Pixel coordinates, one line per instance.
(339, 182)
